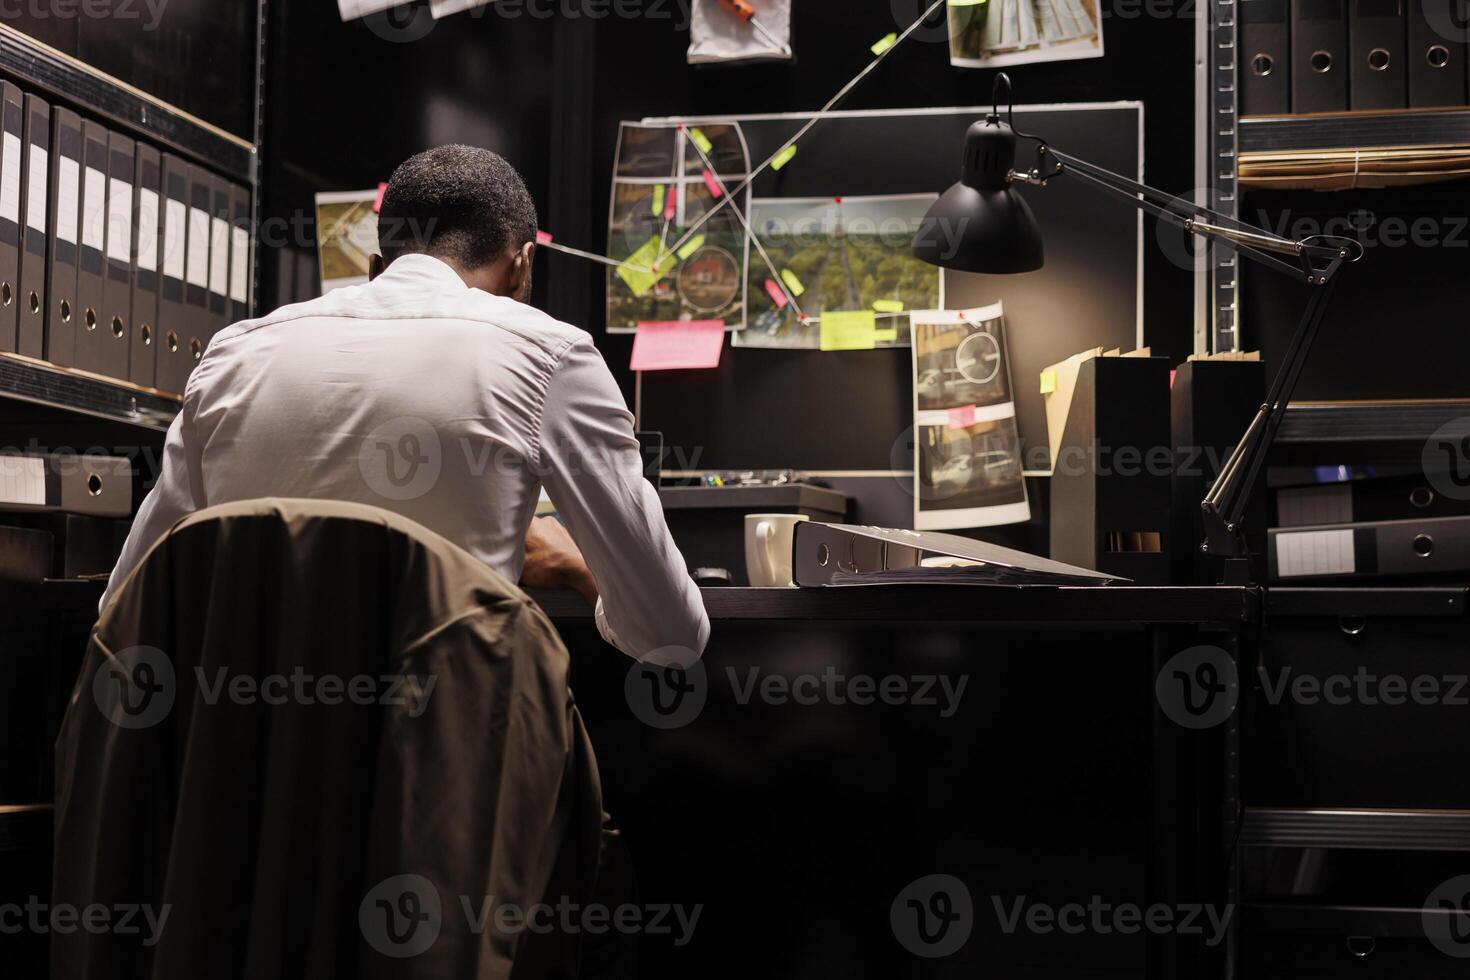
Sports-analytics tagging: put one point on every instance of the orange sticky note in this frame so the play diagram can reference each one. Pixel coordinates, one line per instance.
(714, 185)
(671, 345)
(777, 297)
(962, 417)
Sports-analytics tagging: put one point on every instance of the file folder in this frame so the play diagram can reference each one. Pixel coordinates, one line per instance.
(142, 358)
(1319, 62)
(77, 483)
(173, 311)
(1378, 78)
(64, 246)
(219, 255)
(1265, 58)
(240, 260)
(36, 178)
(196, 281)
(12, 132)
(1436, 63)
(117, 286)
(1421, 546)
(91, 262)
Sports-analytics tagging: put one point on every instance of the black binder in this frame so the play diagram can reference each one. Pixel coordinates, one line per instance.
(12, 119)
(62, 315)
(91, 263)
(1421, 546)
(1319, 62)
(1436, 63)
(196, 280)
(173, 311)
(36, 178)
(240, 264)
(1378, 78)
(142, 359)
(1265, 58)
(219, 255)
(117, 286)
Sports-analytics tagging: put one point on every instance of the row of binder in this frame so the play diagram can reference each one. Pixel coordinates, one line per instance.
(1302, 56)
(115, 258)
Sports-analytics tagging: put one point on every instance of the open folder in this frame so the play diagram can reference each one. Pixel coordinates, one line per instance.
(851, 554)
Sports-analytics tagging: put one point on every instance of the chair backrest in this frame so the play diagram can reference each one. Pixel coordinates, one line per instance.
(307, 736)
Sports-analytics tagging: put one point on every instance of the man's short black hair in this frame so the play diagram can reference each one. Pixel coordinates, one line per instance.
(464, 204)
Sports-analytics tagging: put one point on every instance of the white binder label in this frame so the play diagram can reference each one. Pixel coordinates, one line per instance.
(10, 178)
(120, 221)
(69, 177)
(23, 480)
(36, 190)
(147, 229)
(219, 256)
(94, 206)
(198, 271)
(239, 265)
(175, 221)
(1315, 553)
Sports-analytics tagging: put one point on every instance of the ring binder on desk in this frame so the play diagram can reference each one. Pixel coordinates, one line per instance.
(36, 176)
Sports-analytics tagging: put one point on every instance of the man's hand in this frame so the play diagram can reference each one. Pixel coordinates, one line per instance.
(553, 560)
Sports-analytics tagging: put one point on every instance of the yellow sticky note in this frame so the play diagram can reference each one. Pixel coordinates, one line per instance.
(647, 256)
(887, 306)
(658, 199)
(1048, 382)
(966, 3)
(690, 247)
(884, 43)
(888, 335)
(848, 330)
(784, 157)
(792, 283)
(700, 140)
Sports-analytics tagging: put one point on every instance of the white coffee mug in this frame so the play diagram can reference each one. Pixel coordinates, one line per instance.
(768, 539)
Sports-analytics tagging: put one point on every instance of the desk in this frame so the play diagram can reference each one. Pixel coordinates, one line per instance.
(796, 822)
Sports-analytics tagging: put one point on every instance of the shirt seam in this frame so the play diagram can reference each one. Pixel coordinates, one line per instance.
(557, 360)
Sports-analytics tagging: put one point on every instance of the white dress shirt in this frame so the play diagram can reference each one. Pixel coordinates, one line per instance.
(445, 404)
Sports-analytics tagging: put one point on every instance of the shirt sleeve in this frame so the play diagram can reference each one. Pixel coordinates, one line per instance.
(590, 464)
(177, 493)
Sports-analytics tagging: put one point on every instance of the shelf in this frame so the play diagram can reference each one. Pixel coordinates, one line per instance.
(36, 66)
(1423, 127)
(25, 828)
(1380, 422)
(29, 380)
(1388, 830)
(1357, 601)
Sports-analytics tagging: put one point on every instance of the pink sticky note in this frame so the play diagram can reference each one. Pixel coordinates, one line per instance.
(962, 417)
(678, 344)
(378, 201)
(713, 185)
(1171, 379)
(670, 202)
(543, 238)
(777, 297)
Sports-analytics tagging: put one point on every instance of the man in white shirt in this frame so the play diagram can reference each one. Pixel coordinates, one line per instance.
(436, 392)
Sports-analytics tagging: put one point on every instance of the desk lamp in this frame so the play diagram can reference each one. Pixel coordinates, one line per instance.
(995, 232)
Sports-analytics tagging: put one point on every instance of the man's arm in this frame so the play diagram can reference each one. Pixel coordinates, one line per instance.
(178, 492)
(591, 466)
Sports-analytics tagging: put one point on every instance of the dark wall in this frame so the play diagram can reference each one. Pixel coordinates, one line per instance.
(344, 105)
(196, 54)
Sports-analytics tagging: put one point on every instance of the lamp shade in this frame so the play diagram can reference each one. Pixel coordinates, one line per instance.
(981, 224)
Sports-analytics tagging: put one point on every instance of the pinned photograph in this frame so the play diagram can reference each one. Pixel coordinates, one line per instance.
(666, 179)
(967, 447)
(837, 255)
(346, 237)
(997, 33)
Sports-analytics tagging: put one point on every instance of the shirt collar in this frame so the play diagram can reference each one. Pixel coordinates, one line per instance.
(418, 268)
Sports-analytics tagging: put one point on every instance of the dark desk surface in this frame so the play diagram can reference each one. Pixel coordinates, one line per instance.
(956, 604)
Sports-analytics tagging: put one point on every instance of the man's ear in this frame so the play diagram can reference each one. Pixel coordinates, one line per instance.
(375, 266)
(520, 269)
